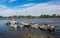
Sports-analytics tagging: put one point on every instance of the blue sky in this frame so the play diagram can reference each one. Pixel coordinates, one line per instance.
(29, 7)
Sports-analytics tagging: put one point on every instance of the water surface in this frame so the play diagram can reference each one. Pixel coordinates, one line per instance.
(8, 32)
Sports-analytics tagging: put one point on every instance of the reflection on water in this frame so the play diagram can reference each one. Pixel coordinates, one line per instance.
(13, 28)
(8, 32)
(41, 34)
(46, 36)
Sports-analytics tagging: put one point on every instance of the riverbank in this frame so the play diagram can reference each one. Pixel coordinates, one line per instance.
(29, 16)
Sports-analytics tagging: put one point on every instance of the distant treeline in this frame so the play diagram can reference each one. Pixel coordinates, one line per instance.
(29, 16)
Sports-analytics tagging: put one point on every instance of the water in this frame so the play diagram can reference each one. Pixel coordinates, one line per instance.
(8, 32)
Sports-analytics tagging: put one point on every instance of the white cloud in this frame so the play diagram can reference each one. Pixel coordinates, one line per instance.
(37, 9)
(12, 0)
(55, 2)
(44, 8)
(8, 12)
(25, 6)
(5, 11)
(3, 7)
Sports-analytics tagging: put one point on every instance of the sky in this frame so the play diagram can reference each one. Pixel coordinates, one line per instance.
(29, 7)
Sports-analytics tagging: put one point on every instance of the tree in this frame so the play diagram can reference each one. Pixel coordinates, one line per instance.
(54, 15)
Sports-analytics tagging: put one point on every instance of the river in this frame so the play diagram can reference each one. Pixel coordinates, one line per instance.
(8, 32)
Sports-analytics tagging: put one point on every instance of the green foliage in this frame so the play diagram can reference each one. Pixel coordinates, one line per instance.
(29, 16)
(1, 16)
(49, 16)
